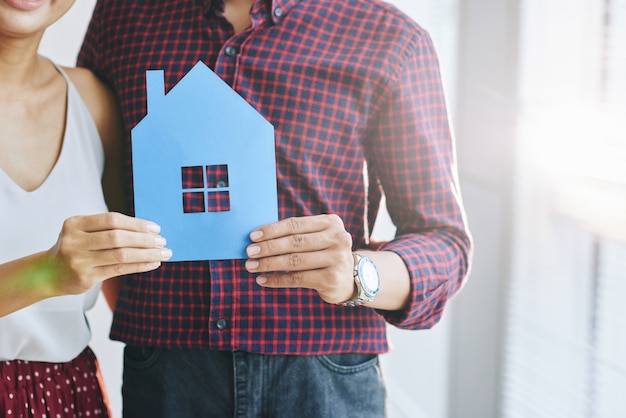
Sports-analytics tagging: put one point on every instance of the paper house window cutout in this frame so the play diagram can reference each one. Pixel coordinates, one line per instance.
(205, 188)
(202, 135)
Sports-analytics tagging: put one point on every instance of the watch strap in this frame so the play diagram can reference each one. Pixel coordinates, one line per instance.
(358, 296)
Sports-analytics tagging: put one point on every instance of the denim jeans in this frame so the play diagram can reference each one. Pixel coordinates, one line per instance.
(199, 383)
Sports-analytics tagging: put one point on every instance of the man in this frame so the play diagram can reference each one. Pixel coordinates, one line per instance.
(353, 91)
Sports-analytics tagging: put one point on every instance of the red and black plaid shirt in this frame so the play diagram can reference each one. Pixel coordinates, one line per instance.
(342, 82)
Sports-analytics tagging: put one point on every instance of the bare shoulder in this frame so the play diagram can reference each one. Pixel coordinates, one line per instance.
(100, 101)
(98, 97)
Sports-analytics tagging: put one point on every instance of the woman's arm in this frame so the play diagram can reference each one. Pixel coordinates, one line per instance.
(90, 249)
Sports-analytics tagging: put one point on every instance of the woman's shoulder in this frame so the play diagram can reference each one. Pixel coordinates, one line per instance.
(95, 93)
(100, 100)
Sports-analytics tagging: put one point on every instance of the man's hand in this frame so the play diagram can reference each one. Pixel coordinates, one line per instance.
(312, 252)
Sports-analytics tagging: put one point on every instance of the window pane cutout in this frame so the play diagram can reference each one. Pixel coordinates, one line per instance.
(205, 188)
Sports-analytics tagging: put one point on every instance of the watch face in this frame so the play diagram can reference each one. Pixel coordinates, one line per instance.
(369, 277)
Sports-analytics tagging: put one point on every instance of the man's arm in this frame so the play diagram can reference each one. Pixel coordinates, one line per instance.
(411, 153)
(412, 156)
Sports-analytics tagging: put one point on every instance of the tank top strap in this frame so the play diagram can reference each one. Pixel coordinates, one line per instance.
(62, 71)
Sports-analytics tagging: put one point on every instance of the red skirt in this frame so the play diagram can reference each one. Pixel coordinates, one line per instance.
(51, 390)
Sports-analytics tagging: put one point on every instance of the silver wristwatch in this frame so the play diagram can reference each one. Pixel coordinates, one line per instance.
(366, 281)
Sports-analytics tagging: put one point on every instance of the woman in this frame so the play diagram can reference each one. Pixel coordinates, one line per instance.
(57, 240)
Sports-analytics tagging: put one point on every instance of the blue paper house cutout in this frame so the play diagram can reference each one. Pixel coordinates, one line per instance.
(203, 166)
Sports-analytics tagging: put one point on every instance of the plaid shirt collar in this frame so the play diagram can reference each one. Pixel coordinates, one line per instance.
(279, 8)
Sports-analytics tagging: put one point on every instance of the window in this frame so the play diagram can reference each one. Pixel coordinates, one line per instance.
(566, 319)
(205, 188)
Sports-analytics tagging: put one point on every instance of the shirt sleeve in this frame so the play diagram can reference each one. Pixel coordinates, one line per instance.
(411, 156)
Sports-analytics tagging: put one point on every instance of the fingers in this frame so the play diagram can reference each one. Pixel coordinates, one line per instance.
(101, 240)
(304, 269)
(294, 226)
(310, 233)
(299, 244)
(108, 230)
(295, 261)
(111, 221)
(109, 242)
(130, 256)
(115, 270)
(333, 282)
(311, 252)
(93, 248)
(290, 244)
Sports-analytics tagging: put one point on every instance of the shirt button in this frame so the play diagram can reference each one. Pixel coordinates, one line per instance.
(221, 323)
(278, 12)
(231, 51)
(221, 184)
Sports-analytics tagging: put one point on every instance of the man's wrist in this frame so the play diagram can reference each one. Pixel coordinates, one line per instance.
(366, 282)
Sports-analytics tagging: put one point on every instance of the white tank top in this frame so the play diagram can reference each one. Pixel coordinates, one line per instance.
(55, 329)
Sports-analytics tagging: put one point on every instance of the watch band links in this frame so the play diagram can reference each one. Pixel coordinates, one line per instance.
(357, 298)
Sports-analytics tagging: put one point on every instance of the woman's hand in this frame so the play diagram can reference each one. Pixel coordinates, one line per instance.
(93, 248)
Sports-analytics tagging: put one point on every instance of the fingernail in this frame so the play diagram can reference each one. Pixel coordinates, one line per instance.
(254, 249)
(252, 264)
(152, 227)
(256, 235)
(166, 253)
(154, 265)
(159, 241)
(261, 280)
